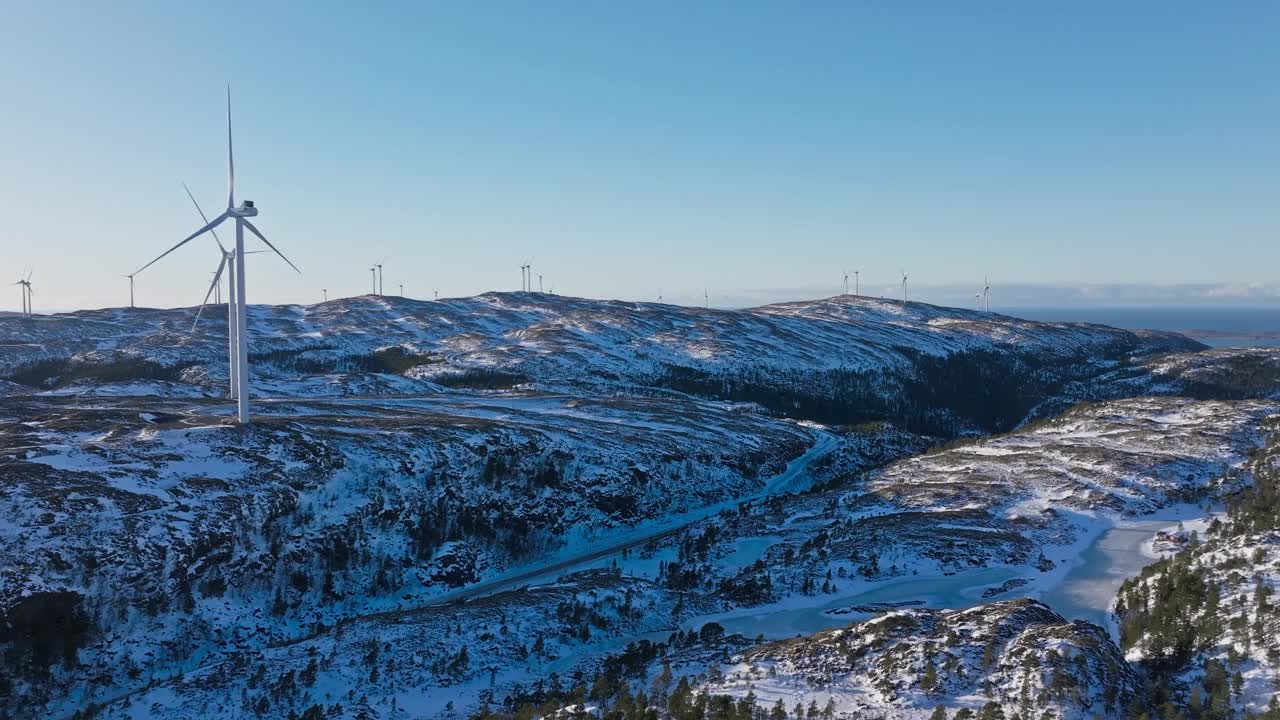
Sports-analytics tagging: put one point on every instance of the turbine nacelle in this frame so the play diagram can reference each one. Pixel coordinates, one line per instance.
(246, 209)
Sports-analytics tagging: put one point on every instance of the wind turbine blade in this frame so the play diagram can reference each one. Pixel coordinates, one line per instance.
(216, 277)
(231, 163)
(188, 239)
(203, 216)
(254, 230)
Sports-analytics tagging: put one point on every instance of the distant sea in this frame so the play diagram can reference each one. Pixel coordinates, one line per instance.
(1218, 327)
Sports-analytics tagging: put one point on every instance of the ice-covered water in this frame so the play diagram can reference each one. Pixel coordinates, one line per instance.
(954, 591)
(1088, 589)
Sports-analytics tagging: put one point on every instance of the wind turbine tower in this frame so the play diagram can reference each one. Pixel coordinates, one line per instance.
(986, 294)
(227, 264)
(904, 287)
(241, 214)
(856, 289)
(846, 282)
(326, 294)
(373, 272)
(130, 291)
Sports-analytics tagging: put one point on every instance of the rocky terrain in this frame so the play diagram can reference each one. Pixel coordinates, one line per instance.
(539, 504)
(1018, 656)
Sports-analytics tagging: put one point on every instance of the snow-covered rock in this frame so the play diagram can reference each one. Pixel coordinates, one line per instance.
(1018, 654)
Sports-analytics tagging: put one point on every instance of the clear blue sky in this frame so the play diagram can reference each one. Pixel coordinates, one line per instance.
(629, 148)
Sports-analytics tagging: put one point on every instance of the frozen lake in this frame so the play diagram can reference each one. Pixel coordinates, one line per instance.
(955, 591)
(1089, 588)
(1086, 592)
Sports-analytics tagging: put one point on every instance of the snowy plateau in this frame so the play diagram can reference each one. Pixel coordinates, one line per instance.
(528, 505)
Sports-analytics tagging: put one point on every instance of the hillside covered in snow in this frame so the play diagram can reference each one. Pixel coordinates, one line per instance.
(1206, 621)
(844, 359)
(502, 501)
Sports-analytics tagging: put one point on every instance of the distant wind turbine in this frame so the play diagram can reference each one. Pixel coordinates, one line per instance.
(241, 213)
(379, 266)
(401, 289)
(539, 282)
(856, 289)
(373, 272)
(846, 282)
(24, 288)
(706, 298)
(326, 293)
(904, 287)
(130, 290)
(986, 294)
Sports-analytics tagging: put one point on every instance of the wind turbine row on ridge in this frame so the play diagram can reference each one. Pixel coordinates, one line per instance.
(856, 277)
(238, 336)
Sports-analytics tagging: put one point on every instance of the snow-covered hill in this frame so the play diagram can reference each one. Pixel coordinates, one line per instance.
(167, 529)
(1205, 622)
(1018, 655)
(389, 531)
(845, 359)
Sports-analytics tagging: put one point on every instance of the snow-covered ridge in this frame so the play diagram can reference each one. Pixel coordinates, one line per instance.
(845, 359)
(550, 337)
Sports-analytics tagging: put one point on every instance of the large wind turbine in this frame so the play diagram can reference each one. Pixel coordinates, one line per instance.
(373, 273)
(904, 287)
(241, 213)
(846, 281)
(130, 290)
(986, 294)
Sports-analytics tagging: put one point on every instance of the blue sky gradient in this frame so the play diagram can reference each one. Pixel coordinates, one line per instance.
(637, 148)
